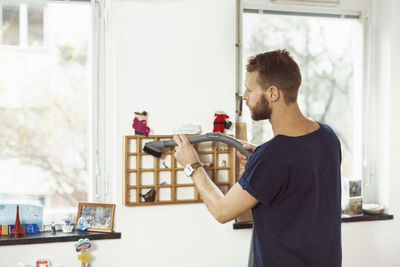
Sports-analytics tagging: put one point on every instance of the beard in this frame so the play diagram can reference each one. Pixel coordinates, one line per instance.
(261, 111)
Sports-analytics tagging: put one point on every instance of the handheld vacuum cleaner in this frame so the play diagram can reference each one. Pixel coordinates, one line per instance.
(156, 148)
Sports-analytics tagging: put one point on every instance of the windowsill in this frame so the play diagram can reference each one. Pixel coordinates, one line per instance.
(363, 218)
(47, 237)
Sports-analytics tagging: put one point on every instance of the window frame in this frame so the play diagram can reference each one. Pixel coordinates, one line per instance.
(366, 145)
(99, 181)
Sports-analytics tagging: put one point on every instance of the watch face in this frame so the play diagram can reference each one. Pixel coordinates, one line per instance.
(188, 170)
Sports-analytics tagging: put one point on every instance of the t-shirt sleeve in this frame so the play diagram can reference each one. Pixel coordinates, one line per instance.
(262, 179)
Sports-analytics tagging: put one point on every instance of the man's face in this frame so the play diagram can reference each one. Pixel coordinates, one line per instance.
(255, 98)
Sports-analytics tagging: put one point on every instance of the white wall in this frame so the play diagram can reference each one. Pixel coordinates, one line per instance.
(378, 243)
(176, 60)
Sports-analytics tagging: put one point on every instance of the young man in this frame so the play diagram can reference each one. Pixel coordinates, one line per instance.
(292, 182)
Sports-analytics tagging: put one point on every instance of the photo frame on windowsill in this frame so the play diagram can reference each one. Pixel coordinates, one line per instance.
(100, 216)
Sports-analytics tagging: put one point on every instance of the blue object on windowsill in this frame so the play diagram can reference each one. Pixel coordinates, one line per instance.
(82, 226)
(31, 228)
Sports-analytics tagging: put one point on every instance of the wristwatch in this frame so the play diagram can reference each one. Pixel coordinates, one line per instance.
(190, 168)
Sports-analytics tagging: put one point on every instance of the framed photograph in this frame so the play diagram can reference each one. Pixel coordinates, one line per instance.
(355, 188)
(100, 216)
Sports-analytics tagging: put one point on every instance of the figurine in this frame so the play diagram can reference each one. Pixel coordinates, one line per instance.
(83, 225)
(221, 122)
(140, 124)
(53, 228)
(149, 196)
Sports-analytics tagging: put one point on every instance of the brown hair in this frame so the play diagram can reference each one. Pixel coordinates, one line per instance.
(277, 68)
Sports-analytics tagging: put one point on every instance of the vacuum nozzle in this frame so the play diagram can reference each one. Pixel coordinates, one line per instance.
(153, 148)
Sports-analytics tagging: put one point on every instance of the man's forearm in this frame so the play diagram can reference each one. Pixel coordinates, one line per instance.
(210, 194)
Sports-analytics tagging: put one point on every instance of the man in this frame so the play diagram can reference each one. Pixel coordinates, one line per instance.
(291, 182)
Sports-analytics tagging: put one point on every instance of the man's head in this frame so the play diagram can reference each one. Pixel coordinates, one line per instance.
(271, 77)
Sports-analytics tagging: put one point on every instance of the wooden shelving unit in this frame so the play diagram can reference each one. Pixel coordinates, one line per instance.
(144, 172)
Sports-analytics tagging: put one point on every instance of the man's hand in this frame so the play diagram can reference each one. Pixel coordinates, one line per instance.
(184, 151)
(248, 146)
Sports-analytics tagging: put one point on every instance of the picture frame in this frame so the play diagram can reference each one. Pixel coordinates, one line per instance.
(99, 215)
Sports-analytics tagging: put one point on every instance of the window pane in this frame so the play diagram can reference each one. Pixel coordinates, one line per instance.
(35, 26)
(44, 112)
(325, 49)
(10, 27)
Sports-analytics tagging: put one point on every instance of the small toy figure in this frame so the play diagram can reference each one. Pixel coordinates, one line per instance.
(53, 228)
(149, 196)
(83, 225)
(220, 122)
(140, 124)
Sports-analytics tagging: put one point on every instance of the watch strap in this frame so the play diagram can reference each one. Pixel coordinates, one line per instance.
(197, 165)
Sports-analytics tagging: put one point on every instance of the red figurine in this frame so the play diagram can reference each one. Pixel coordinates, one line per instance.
(17, 227)
(220, 122)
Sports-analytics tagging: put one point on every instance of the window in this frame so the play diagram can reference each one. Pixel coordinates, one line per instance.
(328, 49)
(48, 120)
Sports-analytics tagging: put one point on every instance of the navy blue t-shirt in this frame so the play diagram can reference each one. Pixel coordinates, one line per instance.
(296, 180)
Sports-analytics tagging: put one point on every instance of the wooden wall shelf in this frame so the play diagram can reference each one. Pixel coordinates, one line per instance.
(143, 172)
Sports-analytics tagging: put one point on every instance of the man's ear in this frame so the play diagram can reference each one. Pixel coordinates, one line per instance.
(273, 94)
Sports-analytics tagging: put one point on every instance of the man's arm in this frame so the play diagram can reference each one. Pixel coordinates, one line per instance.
(223, 208)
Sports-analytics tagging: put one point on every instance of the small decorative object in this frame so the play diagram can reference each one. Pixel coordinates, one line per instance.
(188, 129)
(228, 124)
(67, 227)
(140, 124)
(42, 263)
(17, 229)
(207, 164)
(373, 209)
(224, 164)
(100, 216)
(82, 225)
(164, 183)
(4, 229)
(53, 228)
(149, 196)
(352, 197)
(82, 246)
(31, 228)
(220, 121)
(164, 164)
